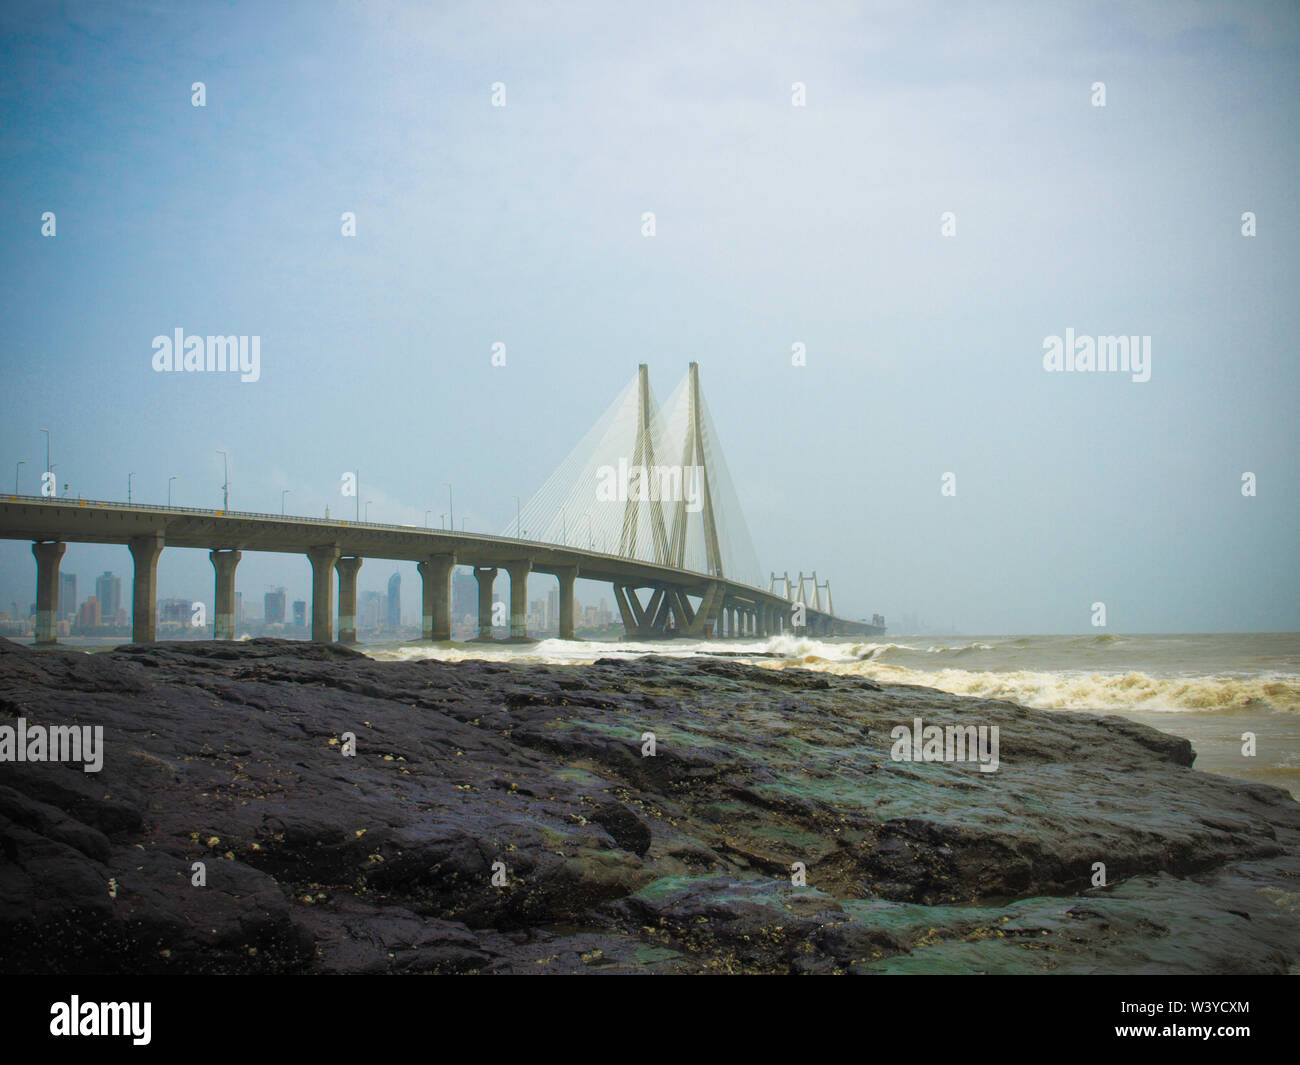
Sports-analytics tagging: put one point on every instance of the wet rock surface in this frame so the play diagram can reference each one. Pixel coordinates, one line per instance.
(503, 818)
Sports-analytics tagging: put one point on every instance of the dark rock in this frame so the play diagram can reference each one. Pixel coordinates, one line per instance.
(501, 817)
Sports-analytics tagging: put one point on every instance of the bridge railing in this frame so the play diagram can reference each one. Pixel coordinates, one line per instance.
(217, 512)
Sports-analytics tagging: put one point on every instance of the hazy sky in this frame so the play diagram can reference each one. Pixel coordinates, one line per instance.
(775, 224)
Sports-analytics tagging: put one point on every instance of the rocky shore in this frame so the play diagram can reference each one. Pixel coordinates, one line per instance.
(607, 859)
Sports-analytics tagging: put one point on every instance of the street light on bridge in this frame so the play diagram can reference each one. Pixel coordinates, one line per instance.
(517, 536)
(283, 492)
(225, 487)
(48, 467)
(368, 502)
(17, 470)
(128, 488)
(426, 518)
(169, 490)
(451, 507)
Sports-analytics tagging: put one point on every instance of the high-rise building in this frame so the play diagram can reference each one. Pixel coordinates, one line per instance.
(274, 607)
(395, 601)
(464, 599)
(175, 611)
(372, 610)
(88, 616)
(108, 590)
(300, 613)
(67, 594)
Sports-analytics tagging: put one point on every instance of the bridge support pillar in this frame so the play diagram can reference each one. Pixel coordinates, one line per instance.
(144, 593)
(435, 610)
(223, 599)
(519, 598)
(322, 559)
(566, 578)
(347, 571)
(706, 621)
(485, 575)
(48, 553)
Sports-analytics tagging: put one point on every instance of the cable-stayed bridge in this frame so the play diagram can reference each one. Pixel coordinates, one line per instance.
(643, 502)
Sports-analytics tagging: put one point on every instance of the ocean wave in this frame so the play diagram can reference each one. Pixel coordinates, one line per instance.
(1092, 691)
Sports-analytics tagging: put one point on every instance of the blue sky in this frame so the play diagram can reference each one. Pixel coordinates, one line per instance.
(774, 225)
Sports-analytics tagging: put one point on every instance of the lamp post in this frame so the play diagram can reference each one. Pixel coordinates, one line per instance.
(451, 507)
(283, 492)
(517, 536)
(426, 518)
(48, 467)
(169, 490)
(442, 521)
(17, 470)
(368, 502)
(225, 486)
(128, 488)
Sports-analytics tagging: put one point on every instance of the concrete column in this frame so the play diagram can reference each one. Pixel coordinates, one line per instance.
(144, 594)
(435, 611)
(223, 609)
(519, 598)
(322, 559)
(48, 553)
(347, 571)
(485, 575)
(566, 578)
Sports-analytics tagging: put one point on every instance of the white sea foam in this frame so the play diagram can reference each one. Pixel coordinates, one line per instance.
(1098, 671)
